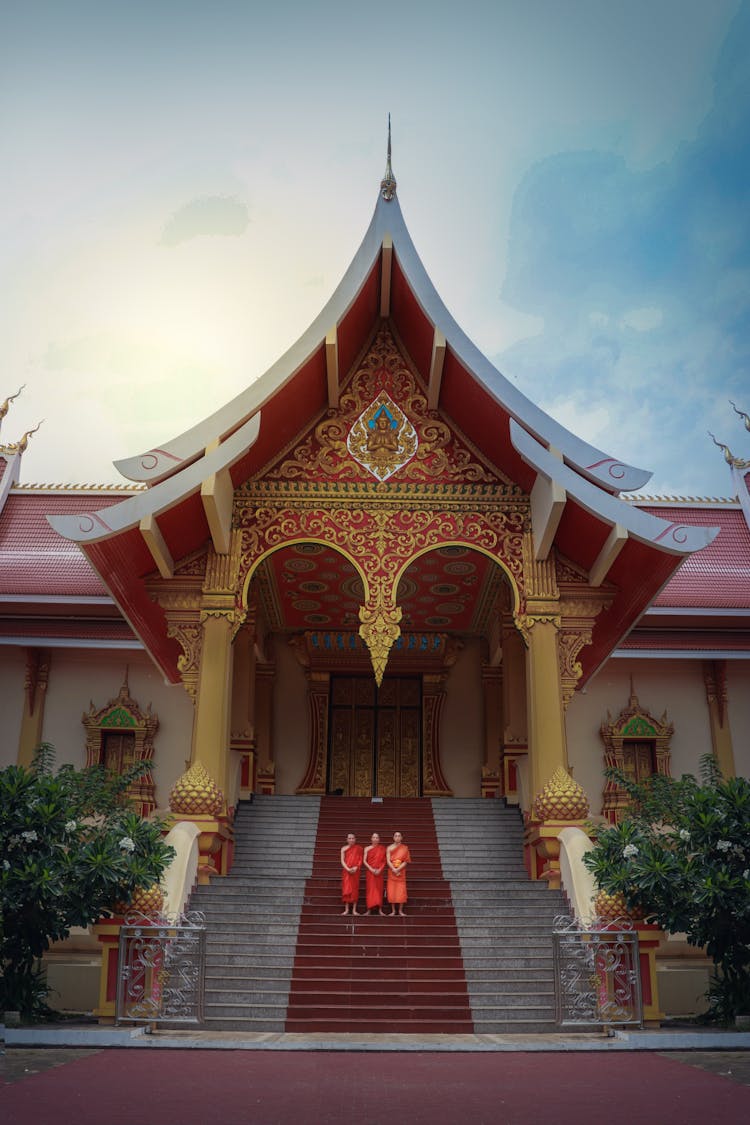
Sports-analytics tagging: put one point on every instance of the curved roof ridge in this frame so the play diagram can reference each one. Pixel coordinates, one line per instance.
(91, 526)
(608, 472)
(155, 464)
(667, 535)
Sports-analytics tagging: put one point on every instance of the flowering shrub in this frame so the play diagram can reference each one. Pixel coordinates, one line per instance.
(71, 848)
(683, 856)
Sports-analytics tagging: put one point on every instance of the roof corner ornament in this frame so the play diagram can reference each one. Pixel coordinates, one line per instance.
(5, 406)
(731, 460)
(388, 182)
(742, 414)
(19, 446)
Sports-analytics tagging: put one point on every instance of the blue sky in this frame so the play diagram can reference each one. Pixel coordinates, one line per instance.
(184, 185)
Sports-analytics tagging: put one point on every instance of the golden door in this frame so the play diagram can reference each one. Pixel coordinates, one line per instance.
(117, 750)
(376, 737)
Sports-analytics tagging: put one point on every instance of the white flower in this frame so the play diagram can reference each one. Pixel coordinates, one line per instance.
(6, 865)
(629, 850)
(746, 873)
(70, 826)
(127, 844)
(29, 836)
(684, 834)
(724, 845)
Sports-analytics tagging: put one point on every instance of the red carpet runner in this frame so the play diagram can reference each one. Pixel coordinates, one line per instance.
(378, 974)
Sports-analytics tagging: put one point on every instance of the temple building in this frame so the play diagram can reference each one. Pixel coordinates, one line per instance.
(380, 570)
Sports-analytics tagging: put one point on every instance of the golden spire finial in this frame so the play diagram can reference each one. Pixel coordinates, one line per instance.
(388, 182)
(6, 405)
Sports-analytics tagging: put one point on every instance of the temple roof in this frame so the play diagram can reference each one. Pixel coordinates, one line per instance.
(191, 478)
(386, 277)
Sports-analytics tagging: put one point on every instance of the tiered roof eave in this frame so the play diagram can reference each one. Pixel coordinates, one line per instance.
(387, 230)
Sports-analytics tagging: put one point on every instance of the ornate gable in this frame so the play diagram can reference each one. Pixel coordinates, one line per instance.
(383, 432)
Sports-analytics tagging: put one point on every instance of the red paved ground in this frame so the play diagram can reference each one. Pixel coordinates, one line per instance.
(165, 1087)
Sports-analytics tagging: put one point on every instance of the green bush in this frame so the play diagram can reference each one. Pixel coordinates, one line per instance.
(72, 847)
(682, 854)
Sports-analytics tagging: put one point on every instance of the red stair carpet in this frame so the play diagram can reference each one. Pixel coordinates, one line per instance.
(378, 974)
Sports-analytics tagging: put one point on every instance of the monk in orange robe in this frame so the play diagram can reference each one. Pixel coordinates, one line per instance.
(351, 862)
(397, 857)
(374, 860)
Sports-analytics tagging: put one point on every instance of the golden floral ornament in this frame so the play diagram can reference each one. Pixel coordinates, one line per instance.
(561, 798)
(196, 793)
(379, 630)
(382, 439)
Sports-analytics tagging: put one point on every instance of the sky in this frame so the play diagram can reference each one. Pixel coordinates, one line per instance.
(184, 184)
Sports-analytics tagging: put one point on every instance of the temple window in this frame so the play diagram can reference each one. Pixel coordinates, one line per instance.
(120, 734)
(637, 744)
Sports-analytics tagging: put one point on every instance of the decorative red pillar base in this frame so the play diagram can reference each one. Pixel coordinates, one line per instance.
(107, 931)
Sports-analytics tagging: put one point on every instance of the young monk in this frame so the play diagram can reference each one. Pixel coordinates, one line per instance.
(374, 861)
(351, 862)
(397, 857)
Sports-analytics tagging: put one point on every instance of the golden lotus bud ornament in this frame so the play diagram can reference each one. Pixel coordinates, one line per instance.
(561, 798)
(612, 905)
(196, 793)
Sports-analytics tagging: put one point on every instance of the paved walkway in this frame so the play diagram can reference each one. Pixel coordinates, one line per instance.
(91, 1034)
(174, 1087)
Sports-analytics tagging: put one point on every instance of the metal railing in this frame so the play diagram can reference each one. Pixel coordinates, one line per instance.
(161, 969)
(597, 973)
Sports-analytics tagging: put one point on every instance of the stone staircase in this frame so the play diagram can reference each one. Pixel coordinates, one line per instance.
(252, 916)
(378, 974)
(473, 953)
(504, 919)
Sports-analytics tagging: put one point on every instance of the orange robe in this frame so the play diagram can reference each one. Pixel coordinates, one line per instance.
(349, 882)
(374, 883)
(397, 883)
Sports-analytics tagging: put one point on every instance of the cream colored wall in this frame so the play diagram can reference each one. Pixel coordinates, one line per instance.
(291, 737)
(738, 690)
(672, 685)
(79, 676)
(12, 675)
(462, 727)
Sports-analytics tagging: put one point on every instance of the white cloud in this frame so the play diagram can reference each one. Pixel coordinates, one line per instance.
(645, 319)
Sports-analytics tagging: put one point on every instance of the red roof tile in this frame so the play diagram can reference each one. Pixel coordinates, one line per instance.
(719, 575)
(34, 559)
(48, 628)
(689, 640)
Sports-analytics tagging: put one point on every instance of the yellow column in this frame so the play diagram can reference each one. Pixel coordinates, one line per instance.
(35, 692)
(492, 684)
(212, 705)
(265, 675)
(715, 679)
(546, 715)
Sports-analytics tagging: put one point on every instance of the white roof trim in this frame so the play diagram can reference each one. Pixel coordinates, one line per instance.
(88, 527)
(387, 221)
(674, 538)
